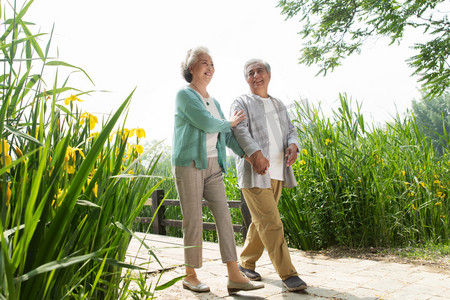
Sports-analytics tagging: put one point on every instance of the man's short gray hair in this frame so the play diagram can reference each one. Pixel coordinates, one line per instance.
(191, 58)
(255, 61)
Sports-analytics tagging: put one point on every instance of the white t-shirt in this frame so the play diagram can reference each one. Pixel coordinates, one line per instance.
(276, 151)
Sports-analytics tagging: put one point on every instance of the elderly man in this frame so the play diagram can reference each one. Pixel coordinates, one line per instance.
(270, 142)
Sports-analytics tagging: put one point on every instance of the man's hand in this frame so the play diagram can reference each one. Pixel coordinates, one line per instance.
(291, 154)
(259, 162)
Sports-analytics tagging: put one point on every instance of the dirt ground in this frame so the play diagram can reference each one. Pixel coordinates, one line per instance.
(433, 260)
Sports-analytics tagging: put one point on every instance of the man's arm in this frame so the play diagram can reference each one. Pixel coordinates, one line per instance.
(252, 148)
(291, 154)
(292, 138)
(190, 108)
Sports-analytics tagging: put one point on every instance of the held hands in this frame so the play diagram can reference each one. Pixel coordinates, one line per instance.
(259, 162)
(291, 154)
(237, 117)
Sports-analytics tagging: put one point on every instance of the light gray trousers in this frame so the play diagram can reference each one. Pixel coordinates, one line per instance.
(193, 185)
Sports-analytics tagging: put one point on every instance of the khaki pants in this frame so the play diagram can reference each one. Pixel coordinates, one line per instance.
(193, 185)
(266, 231)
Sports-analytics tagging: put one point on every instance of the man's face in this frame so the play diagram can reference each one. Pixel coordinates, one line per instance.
(258, 79)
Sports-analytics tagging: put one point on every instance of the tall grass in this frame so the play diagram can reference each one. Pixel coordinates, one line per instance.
(68, 194)
(361, 187)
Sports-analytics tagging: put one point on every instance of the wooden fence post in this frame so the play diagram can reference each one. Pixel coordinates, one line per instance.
(246, 217)
(157, 197)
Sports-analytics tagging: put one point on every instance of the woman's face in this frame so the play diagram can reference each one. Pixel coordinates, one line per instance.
(203, 69)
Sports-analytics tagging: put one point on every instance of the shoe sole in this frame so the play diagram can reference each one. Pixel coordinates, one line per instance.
(186, 287)
(232, 291)
(295, 289)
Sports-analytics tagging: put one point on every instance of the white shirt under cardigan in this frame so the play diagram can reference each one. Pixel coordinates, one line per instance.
(276, 151)
(211, 138)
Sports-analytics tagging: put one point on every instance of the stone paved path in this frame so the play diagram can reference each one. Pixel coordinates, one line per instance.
(327, 278)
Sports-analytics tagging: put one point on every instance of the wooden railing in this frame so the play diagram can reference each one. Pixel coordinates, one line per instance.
(160, 223)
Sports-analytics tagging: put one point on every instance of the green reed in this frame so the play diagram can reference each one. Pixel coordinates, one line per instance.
(363, 186)
(68, 194)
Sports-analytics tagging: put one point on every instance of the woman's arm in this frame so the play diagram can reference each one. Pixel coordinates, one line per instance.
(190, 108)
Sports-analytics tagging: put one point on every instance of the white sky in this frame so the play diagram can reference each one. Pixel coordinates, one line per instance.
(141, 43)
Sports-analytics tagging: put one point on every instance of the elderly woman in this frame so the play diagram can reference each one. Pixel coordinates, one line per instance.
(201, 133)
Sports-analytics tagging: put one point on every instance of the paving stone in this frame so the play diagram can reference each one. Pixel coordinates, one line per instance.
(364, 293)
(322, 292)
(437, 291)
(295, 296)
(439, 298)
(327, 278)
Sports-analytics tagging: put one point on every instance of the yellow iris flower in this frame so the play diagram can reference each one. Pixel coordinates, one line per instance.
(92, 120)
(140, 132)
(72, 98)
(71, 158)
(8, 194)
(94, 135)
(4, 150)
(4, 146)
(139, 149)
(60, 195)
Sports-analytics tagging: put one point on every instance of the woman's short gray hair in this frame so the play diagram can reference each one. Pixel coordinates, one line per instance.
(191, 58)
(255, 61)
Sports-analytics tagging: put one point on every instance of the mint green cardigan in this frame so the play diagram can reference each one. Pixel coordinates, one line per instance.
(192, 123)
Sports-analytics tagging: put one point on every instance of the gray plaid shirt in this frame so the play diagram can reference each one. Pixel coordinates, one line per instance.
(252, 135)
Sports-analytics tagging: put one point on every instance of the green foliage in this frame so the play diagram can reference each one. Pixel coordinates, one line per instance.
(433, 252)
(68, 195)
(332, 30)
(363, 187)
(433, 117)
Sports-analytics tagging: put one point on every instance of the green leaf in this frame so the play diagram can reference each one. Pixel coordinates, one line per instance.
(64, 109)
(169, 283)
(55, 91)
(61, 63)
(117, 263)
(23, 135)
(17, 161)
(58, 264)
(8, 232)
(32, 39)
(87, 203)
